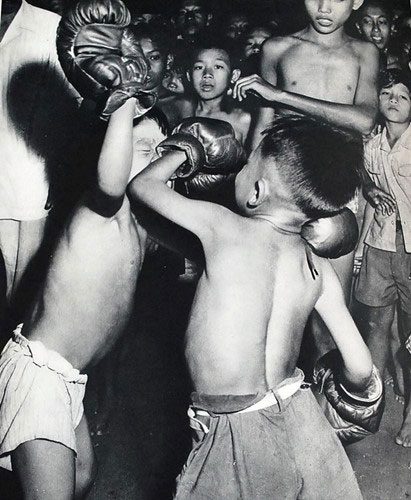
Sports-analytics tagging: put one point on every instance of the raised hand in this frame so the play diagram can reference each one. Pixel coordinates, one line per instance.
(256, 85)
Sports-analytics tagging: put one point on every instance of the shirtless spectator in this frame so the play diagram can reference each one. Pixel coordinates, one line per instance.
(322, 72)
(212, 71)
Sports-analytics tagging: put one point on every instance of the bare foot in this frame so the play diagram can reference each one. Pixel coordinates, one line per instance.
(403, 438)
(398, 393)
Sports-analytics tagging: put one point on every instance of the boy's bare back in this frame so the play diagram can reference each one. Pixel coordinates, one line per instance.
(251, 305)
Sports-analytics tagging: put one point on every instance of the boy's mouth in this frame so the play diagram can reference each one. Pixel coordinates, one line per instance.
(324, 21)
(206, 87)
(377, 40)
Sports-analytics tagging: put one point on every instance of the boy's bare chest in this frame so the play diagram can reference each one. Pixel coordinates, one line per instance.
(330, 75)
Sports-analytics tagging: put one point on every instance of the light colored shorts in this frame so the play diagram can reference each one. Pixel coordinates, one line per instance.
(281, 447)
(41, 396)
(385, 277)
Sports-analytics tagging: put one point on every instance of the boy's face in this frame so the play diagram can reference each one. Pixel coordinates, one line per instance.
(327, 16)
(191, 18)
(173, 81)
(395, 103)
(157, 63)
(375, 26)
(236, 26)
(254, 41)
(211, 73)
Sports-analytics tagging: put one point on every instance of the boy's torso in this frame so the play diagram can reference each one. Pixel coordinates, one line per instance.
(313, 70)
(250, 309)
(390, 169)
(89, 289)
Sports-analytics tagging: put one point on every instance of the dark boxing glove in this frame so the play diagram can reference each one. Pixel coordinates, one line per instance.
(353, 416)
(332, 237)
(210, 146)
(100, 56)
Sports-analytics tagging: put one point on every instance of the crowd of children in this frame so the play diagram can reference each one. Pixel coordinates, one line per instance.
(338, 77)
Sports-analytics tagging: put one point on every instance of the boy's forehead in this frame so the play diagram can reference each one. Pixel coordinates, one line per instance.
(374, 11)
(397, 87)
(215, 54)
(149, 44)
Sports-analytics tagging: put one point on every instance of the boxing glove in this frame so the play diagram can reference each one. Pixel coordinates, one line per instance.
(100, 56)
(210, 146)
(332, 237)
(352, 416)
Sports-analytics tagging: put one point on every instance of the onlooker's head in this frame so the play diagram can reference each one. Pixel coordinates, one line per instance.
(395, 96)
(156, 46)
(236, 24)
(213, 68)
(254, 38)
(175, 78)
(303, 165)
(192, 18)
(375, 22)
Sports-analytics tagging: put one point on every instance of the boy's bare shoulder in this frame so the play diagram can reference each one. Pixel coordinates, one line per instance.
(366, 51)
(277, 45)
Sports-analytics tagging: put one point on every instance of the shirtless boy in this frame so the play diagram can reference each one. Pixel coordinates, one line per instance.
(212, 71)
(258, 435)
(80, 312)
(322, 72)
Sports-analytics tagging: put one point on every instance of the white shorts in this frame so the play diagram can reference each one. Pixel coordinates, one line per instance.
(41, 396)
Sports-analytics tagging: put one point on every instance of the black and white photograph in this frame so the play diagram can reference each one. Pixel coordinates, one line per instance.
(205, 250)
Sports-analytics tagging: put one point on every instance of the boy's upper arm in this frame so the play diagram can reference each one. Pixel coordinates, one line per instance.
(268, 70)
(334, 312)
(366, 92)
(197, 216)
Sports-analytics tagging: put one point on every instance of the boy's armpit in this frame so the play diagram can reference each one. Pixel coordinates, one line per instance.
(102, 203)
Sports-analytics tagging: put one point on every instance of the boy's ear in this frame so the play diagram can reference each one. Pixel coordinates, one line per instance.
(357, 4)
(235, 75)
(188, 75)
(259, 194)
(359, 29)
(209, 19)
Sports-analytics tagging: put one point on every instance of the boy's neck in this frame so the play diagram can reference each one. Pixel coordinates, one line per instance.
(332, 40)
(282, 222)
(395, 131)
(211, 106)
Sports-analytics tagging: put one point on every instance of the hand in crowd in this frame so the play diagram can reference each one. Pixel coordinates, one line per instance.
(256, 85)
(383, 202)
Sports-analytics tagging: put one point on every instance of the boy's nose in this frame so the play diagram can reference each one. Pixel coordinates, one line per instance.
(375, 28)
(324, 6)
(208, 72)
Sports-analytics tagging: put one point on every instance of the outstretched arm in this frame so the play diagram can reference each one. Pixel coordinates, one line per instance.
(331, 307)
(114, 164)
(359, 116)
(150, 187)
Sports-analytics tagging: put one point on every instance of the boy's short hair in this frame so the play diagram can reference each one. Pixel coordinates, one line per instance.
(384, 5)
(392, 76)
(159, 35)
(213, 41)
(319, 163)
